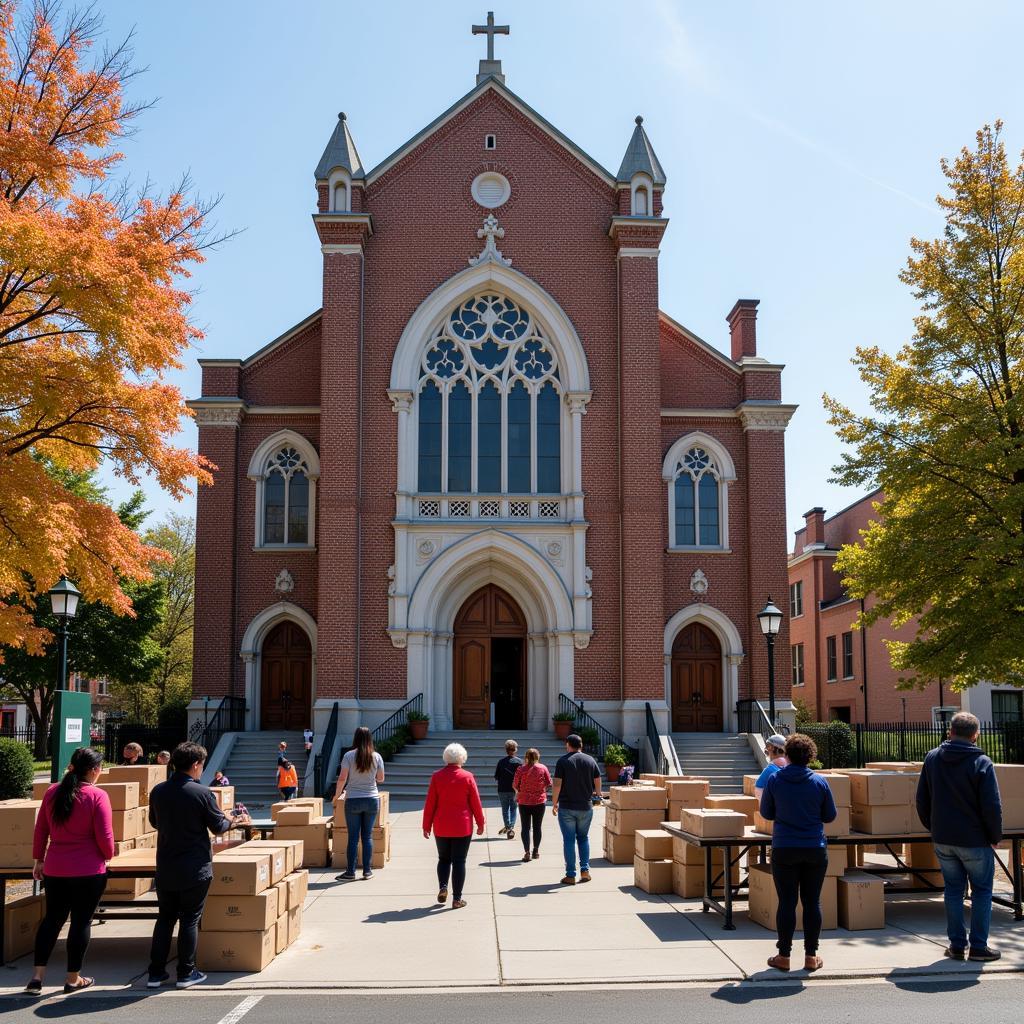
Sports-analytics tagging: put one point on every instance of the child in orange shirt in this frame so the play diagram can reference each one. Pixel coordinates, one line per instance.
(287, 780)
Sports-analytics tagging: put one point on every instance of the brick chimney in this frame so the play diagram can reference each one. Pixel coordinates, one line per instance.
(743, 328)
(814, 529)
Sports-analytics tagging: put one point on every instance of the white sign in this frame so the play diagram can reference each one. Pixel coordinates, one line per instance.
(72, 730)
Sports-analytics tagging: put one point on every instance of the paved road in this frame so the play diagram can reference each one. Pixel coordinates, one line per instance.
(994, 1000)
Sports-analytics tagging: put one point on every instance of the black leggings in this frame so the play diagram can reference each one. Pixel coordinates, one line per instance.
(74, 897)
(451, 860)
(799, 872)
(532, 817)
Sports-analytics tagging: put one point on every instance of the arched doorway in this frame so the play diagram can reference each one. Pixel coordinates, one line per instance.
(489, 664)
(285, 678)
(696, 680)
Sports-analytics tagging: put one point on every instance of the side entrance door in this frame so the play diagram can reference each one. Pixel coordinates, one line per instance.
(286, 679)
(696, 681)
(472, 682)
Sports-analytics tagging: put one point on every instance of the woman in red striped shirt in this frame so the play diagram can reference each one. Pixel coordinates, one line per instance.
(531, 783)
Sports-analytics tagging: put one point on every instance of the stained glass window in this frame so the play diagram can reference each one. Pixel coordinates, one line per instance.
(697, 500)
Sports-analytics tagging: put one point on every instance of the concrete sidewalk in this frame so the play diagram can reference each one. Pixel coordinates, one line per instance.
(521, 927)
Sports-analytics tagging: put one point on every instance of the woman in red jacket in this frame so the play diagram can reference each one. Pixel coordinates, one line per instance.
(453, 803)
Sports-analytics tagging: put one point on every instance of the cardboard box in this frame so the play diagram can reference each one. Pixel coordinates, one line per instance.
(861, 901)
(1010, 778)
(294, 923)
(840, 825)
(292, 850)
(881, 819)
(854, 856)
(282, 933)
(123, 889)
(658, 780)
(315, 802)
(929, 880)
(882, 788)
(894, 766)
(298, 887)
(653, 844)
(750, 784)
(146, 840)
(148, 776)
(21, 921)
(627, 822)
(619, 849)
(921, 855)
(842, 794)
(225, 797)
(762, 824)
(381, 849)
(242, 913)
(123, 795)
(652, 875)
(236, 951)
(763, 901)
(296, 816)
(689, 792)
(713, 823)
(837, 862)
(125, 846)
(279, 858)
(18, 821)
(1013, 811)
(16, 856)
(745, 805)
(240, 874)
(129, 823)
(688, 879)
(383, 808)
(638, 798)
(689, 853)
(39, 790)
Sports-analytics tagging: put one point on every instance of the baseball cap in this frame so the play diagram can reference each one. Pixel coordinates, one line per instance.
(777, 741)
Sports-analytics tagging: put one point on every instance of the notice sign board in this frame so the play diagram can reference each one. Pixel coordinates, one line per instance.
(72, 713)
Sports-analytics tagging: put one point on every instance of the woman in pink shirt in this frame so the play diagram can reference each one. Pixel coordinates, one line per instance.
(531, 783)
(73, 841)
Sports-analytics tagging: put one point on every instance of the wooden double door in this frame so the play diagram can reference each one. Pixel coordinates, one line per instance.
(286, 676)
(489, 665)
(696, 681)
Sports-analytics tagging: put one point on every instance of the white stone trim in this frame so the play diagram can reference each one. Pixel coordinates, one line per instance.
(339, 176)
(342, 248)
(252, 647)
(732, 654)
(215, 412)
(641, 181)
(256, 473)
(283, 410)
(721, 414)
(726, 476)
(765, 416)
(633, 251)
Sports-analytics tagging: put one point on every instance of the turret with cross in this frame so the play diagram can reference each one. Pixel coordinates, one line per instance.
(490, 68)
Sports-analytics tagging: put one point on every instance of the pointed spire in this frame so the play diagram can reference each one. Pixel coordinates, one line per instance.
(340, 152)
(640, 158)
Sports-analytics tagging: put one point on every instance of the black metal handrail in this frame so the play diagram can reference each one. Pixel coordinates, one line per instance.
(229, 717)
(585, 721)
(321, 760)
(661, 765)
(387, 729)
(752, 717)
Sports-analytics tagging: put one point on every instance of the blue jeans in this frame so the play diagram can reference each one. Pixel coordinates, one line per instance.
(575, 826)
(508, 809)
(960, 864)
(360, 814)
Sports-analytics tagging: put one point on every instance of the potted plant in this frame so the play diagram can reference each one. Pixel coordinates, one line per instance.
(418, 722)
(615, 757)
(591, 738)
(563, 722)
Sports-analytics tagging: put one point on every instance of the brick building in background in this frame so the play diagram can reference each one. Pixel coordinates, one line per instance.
(828, 656)
(489, 469)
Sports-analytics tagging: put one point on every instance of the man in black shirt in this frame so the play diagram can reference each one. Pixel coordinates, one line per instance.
(504, 774)
(184, 814)
(577, 780)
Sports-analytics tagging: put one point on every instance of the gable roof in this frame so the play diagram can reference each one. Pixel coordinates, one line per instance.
(521, 105)
(698, 341)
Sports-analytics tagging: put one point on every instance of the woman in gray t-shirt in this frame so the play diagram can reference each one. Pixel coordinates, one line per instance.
(361, 769)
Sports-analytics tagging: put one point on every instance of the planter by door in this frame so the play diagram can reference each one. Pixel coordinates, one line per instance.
(613, 772)
(562, 729)
(419, 730)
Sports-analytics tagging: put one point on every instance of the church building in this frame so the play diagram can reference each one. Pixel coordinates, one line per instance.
(489, 469)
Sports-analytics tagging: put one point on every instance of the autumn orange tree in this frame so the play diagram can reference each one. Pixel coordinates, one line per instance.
(93, 314)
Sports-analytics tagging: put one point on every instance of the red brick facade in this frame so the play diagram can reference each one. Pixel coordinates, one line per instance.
(572, 243)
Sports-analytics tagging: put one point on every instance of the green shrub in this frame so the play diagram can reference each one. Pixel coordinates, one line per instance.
(387, 749)
(563, 716)
(616, 755)
(16, 769)
(804, 715)
(834, 741)
(418, 716)
(590, 736)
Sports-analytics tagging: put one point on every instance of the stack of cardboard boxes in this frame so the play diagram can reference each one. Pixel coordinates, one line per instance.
(652, 863)
(631, 808)
(883, 802)
(254, 909)
(381, 836)
(304, 819)
(17, 824)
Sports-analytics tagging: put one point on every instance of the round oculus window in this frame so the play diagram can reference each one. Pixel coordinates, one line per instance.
(491, 189)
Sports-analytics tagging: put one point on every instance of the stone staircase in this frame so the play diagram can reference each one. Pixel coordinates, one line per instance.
(252, 766)
(722, 757)
(407, 776)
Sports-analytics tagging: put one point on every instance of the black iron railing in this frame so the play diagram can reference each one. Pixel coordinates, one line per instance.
(320, 762)
(910, 741)
(589, 727)
(400, 719)
(229, 717)
(661, 765)
(752, 717)
(152, 739)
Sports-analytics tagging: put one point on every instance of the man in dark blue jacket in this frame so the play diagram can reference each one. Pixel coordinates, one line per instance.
(958, 802)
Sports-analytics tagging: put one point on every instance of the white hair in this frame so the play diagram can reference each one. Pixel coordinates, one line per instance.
(455, 753)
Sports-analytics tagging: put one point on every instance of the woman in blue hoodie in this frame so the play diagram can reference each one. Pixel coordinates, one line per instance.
(800, 803)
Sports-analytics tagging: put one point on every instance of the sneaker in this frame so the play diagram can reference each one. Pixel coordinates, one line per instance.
(985, 955)
(156, 980)
(585, 875)
(367, 874)
(955, 954)
(502, 830)
(569, 880)
(195, 978)
(345, 876)
(510, 834)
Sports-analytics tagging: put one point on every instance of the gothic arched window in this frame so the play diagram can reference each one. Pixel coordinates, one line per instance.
(489, 404)
(698, 475)
(285, 468)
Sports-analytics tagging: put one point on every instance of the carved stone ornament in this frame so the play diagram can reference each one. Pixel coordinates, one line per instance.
(699, 583)
(391, 581)
(284, 584)
(581, 641)
(588, 575)
(399, 640)
(226, 416)
(490, 253)
(425, 549)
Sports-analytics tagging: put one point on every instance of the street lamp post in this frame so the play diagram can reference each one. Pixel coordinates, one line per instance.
(64, 598)
(769, 618)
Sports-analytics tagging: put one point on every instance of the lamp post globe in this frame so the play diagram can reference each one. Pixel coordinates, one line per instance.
(64, 598)
(769, 618)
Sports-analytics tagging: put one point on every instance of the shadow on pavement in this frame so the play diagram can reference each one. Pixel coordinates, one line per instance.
(949, 983)
(743, 992)
(72, 1005)
(532, 890)
(410, 914)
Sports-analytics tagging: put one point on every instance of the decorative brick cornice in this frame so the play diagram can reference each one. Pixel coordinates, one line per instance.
(765, 415)
(637, 232)
(217, 412)
(349, 230)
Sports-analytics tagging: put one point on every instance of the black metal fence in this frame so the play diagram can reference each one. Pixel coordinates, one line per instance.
(152, 739)
(752, 717)
(660, 765)
(228, 717)
(399, 720)
(588, 727)
(321, 760)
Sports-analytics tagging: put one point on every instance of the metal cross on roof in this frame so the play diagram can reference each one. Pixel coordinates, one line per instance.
(490, 30)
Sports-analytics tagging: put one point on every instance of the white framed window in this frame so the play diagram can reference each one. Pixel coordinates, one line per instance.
(285, 468)
(340, 191)
(489, 404)
(698, 471)
(490, 142)
(797, 651)
(641, 196)
(796, 599)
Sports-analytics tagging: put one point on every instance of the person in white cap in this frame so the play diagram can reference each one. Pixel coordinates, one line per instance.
(775, 751)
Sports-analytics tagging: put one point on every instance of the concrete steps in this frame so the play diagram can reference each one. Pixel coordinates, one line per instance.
(724, 758)
(252, 765)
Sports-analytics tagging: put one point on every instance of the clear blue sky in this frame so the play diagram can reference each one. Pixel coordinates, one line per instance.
(801, 142)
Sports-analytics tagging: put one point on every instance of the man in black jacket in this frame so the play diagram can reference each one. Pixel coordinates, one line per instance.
(958, 802)
(184, 814)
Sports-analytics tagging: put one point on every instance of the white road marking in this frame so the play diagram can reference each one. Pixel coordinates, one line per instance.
(235, 1015)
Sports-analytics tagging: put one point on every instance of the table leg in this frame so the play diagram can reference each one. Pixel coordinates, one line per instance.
(3, 922)
(705, 909)
(1018, 871)
(727, 883)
